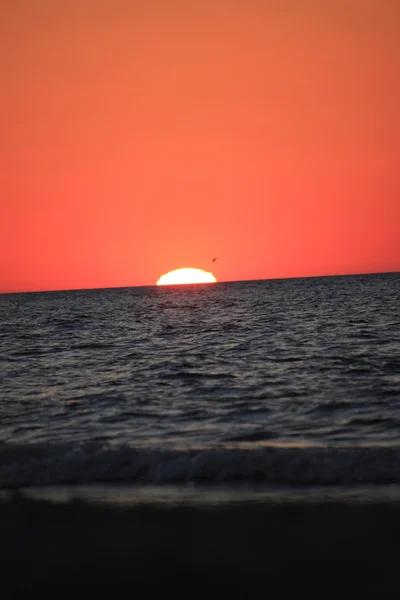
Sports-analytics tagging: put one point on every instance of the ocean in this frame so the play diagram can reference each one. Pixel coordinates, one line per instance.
(232, 433)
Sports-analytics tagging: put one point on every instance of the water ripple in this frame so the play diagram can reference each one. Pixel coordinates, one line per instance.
(281, 362)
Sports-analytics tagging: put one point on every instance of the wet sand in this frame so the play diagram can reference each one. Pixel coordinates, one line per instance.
(325, 549)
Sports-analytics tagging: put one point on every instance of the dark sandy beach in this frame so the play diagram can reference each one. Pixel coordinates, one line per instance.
(266, 549)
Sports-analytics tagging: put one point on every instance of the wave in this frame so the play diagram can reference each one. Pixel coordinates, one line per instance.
(49, 464)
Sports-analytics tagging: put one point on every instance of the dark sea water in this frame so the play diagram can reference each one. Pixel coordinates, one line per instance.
(240, 433)
(291, 381)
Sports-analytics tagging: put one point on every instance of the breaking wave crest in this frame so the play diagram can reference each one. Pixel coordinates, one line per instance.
(40, 465)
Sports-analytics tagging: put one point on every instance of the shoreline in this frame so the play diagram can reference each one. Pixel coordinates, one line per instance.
(126, 495)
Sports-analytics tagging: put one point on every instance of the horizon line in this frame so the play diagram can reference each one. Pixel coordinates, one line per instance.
(120, 287)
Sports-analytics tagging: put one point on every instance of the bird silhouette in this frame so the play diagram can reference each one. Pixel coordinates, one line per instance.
(214, 259)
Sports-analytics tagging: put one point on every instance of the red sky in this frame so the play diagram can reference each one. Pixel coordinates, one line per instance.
(142, 136)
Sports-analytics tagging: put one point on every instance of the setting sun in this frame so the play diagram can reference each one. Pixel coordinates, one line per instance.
(182, 276)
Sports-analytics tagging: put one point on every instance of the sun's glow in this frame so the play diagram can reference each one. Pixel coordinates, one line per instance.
(182, 276)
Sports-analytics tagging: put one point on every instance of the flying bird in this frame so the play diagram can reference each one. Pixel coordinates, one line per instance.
(214, 259)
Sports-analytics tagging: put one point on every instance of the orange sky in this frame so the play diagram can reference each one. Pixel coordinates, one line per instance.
(142, 136)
